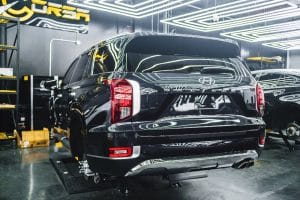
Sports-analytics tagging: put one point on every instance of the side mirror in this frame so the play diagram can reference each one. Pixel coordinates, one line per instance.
(49, 85)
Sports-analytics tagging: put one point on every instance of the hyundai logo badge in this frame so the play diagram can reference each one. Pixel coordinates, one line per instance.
(206, 81)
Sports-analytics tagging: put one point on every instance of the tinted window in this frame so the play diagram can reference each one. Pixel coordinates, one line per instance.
(146, 63)
(80, 69)
(89, 63)
(177, 45)
(271, 77)
(105, 60)
(271, 80)
(70, 72)
(280, 79)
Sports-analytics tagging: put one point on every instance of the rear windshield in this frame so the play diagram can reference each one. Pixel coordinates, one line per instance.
(149, 63)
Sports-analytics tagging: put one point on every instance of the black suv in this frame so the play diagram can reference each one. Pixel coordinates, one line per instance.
(148, 103)
(282, 90)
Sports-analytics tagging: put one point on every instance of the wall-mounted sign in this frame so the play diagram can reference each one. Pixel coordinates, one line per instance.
(54, 14)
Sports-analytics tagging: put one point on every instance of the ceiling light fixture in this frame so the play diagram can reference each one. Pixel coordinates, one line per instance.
(140, 9)
(285, 44)
(267, 33)
(235, 14)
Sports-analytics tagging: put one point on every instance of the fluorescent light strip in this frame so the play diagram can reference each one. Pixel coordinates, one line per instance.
(210, 11)
(267, 33)
(139, 10)
(128, 8)
(201, 20)
(263, 17)
(232, 10)
(245, 11)
(233, 23)
(257, 19)
(285, 45)
(120, 2)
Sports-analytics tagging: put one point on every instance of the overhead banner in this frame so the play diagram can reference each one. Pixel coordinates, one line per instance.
(54, 14)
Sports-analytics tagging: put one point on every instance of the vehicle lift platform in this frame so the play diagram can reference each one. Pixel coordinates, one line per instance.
(67, 169)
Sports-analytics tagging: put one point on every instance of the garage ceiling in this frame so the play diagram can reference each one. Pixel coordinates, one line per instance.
(235, 14)
(135, 8)
(293, 44)
(266, 33)
(274, 23)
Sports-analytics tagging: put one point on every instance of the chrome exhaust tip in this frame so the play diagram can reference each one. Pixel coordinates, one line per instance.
(246, 163)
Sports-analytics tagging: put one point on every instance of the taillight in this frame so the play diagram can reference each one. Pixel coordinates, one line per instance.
(260, 99)
(121, 100)
(125, 99)
(120, 152)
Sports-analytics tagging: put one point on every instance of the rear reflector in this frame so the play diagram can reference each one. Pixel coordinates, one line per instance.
(120, 152)
(262, 140)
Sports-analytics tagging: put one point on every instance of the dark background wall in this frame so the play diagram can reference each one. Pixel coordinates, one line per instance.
(35, 44)
(35, 41)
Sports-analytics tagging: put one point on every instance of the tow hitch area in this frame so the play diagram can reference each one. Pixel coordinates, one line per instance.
(68, 170)
(74, 181)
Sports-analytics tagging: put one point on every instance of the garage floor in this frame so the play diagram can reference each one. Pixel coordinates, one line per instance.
(28, 174)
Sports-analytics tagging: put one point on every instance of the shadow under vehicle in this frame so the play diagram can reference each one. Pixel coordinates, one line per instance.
(282, 96)
(151, 104)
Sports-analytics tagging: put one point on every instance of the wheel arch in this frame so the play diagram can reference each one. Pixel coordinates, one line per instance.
(282, 114)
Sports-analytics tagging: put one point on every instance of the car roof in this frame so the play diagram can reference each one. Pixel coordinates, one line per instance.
(283, 71)
(149, 42)
(148, 34)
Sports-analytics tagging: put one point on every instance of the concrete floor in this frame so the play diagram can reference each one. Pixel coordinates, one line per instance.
(28, 174)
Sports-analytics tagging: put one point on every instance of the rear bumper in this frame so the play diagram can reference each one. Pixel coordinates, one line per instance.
(169, 165)
(174, 150)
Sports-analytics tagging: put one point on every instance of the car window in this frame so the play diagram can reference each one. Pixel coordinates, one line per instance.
(104, 60)
(287, 80)
(70, 72)
(89, 63)
(256, 76)
(271, 80)
(270, 76)
(80, 68)
(146, 63)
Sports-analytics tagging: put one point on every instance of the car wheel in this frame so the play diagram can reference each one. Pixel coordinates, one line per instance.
(292, 130)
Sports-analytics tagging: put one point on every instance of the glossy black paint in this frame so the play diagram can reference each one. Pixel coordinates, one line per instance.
(176, 107)
(282, 95)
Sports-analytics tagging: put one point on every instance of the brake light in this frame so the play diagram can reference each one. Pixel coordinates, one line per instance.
(121, 100)
(260, 99)
(125, 99)
(120, 152)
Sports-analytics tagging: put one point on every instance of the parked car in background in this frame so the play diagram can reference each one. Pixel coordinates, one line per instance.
(282, 96)
(148, 103)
